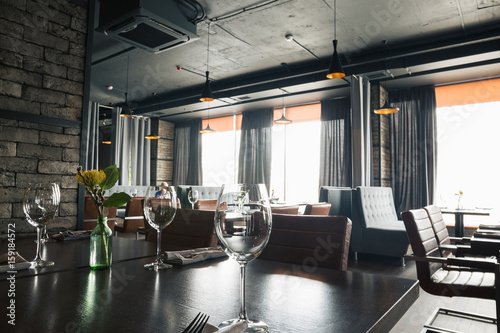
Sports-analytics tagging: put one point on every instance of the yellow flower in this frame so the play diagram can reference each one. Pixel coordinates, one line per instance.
(91, 178)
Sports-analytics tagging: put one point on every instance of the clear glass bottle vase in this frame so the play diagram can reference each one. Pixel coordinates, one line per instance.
(101, 245)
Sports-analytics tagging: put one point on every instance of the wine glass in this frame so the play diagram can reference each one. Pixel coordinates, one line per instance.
(243, 226)
(159, 211)
(40, 204)
(193, 197)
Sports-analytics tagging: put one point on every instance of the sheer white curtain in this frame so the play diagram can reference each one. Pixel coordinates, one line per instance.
(131, 151)
(361, 134)
(90, 135)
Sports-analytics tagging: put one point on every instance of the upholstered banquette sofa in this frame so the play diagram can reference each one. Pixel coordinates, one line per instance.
(204, 192)
(376, 228)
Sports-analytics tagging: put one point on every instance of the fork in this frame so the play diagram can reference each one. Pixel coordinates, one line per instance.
(198, 323)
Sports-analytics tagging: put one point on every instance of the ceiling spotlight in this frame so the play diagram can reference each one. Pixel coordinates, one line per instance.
(109, 87)
(289, 37)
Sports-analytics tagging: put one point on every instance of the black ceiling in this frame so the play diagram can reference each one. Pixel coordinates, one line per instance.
(429, 42)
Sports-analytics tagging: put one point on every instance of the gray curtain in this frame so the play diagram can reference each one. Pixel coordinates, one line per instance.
(187, 153)
(91, 136)
(361, 132)
(335, 154)
(413, 147)
(254, 165)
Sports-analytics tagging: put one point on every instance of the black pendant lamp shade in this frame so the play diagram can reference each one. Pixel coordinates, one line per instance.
(207, 130)
(206, 95)
(335, 71)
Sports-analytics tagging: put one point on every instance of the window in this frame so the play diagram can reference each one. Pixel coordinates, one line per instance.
(220, 151)
(467, 142)
(296, 150)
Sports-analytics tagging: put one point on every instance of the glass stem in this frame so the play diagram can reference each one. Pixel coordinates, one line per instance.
(158, 246)
(243, 309)
(38, 244)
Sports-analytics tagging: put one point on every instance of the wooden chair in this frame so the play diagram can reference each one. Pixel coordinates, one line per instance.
(90, 215)
(294, 210)
(134, 217)
(309, 240)
(189, 229)
(448, 276)
(322, 208)
(206, 204)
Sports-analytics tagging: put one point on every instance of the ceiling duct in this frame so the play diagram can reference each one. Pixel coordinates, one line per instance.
(152, 25)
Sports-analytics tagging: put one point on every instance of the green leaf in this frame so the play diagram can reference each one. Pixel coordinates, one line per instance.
(117, 200)
(112, 175)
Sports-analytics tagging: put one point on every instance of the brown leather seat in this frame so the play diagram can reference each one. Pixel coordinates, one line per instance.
(206, 204)
(90, 215)
(134, 216)
(446, 276)
(189, 229)
(322, 208)
(294, 210)
(309, 240)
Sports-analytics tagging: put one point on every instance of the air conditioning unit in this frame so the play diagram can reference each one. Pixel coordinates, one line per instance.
(152, 25)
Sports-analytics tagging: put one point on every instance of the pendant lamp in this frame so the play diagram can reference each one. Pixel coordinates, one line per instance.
(206, 95)
(207, 129)
(283, 120)
(126, 110)
(335, 71)
(386, 108)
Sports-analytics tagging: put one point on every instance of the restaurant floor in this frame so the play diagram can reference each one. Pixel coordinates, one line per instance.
(414, 319)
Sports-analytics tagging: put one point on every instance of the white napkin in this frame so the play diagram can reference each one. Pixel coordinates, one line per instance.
(235, 328)
(19, 263)
(191, 256)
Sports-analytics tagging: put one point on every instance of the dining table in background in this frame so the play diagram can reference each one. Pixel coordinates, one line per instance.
(459, 217)
(70, 297)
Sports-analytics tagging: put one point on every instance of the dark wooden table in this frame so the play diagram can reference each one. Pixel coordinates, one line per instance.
(75, 254)
(459, 217)
(127, 298)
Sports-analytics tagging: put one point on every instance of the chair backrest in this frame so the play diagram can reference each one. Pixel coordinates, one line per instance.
(322, 208)
(134, 215)
(423, 241)
(206, 204)
(293, 210)
(439, 226)
(340, 198)
(376, 205)
(189, 229)
(90, 215)
(309, 240)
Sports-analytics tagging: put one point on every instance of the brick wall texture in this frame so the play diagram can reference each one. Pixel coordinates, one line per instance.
(42, 60)
(162, 152)
(381, 139)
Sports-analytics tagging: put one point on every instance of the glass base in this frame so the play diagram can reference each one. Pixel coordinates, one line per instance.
(41, 263)
(155, 266)
(253, 325)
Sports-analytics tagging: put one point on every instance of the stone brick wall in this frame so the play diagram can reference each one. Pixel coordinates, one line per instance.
(162, 152)
(381, 139)
(42, 57)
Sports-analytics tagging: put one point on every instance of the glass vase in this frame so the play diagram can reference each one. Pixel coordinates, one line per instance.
(101, 245)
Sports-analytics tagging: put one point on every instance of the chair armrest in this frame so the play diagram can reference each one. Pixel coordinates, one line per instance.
(460, 239)
(488, 265)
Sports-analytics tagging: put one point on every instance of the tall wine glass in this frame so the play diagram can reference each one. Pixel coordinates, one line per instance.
(40, 205)
(193, 197)
(160, 206)
(243, 226)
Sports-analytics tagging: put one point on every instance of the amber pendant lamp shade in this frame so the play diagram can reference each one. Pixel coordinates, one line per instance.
(335, 71)
(386, 109)
(206, 95)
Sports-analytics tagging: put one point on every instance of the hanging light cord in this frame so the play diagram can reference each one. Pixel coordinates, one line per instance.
(208, 43)
(334, 19)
